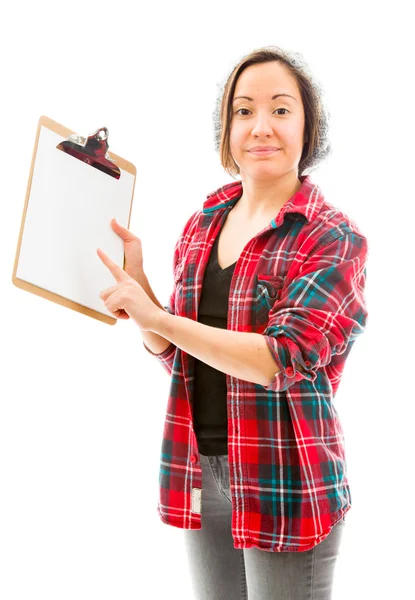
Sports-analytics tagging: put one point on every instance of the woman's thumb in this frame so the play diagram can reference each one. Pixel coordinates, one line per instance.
(126, 234)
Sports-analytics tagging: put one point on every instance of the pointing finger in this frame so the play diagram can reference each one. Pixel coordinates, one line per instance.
(118, 273)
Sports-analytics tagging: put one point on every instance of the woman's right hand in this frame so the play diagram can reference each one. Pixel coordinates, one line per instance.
(132, 249)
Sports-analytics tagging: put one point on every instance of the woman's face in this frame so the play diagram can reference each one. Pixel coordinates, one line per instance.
(267, 122)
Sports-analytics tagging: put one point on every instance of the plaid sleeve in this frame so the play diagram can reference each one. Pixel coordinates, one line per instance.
(319, 312)
(166, 358)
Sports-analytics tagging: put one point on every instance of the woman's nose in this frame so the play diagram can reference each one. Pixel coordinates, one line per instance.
(262, 124)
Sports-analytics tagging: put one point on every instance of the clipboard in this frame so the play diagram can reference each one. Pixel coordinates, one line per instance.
(76, 186)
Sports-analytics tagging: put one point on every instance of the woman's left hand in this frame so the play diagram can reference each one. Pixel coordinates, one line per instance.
(127, 298)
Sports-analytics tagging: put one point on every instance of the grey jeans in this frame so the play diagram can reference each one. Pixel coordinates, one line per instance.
(219, 571)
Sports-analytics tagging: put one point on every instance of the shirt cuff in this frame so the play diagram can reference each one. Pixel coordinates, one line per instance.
(292, 367)
(165, 352)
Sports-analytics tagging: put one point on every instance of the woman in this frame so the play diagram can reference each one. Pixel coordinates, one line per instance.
(267, 303)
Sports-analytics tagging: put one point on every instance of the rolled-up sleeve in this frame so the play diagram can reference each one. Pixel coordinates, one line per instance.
(320, 312)
(166, 358)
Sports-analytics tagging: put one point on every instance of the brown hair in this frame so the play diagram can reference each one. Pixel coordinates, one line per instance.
(317, 148)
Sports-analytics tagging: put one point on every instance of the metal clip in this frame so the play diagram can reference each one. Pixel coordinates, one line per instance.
(92, 150)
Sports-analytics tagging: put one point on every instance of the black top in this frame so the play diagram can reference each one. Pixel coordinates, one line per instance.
(210, 417)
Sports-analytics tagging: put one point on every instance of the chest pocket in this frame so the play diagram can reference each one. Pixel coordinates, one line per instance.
(267, 292)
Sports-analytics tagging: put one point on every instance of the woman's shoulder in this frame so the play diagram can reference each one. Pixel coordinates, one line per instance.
(336, 220)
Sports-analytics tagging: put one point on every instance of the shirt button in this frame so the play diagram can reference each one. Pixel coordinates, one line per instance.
(307, 363)
(290, 371)
(193, 458)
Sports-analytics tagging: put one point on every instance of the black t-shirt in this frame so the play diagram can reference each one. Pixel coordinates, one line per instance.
(210, 417)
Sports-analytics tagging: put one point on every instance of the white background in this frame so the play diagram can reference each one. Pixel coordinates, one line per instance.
(82, 403)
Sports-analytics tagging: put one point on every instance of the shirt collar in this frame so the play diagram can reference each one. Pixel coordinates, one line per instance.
(307, 200)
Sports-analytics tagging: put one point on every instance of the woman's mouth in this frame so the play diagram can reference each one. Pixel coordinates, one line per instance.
(263, 152)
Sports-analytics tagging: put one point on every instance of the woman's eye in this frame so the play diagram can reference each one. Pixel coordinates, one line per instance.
(250, 111)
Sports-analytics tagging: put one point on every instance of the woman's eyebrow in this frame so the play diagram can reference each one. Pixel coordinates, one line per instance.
(273, 97)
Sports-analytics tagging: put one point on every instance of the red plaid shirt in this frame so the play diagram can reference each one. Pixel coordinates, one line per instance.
(299, 282)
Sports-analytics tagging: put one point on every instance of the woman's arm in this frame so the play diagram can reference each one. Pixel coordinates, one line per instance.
(154, 342)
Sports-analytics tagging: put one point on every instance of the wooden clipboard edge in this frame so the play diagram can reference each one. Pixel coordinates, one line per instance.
(29, 287)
